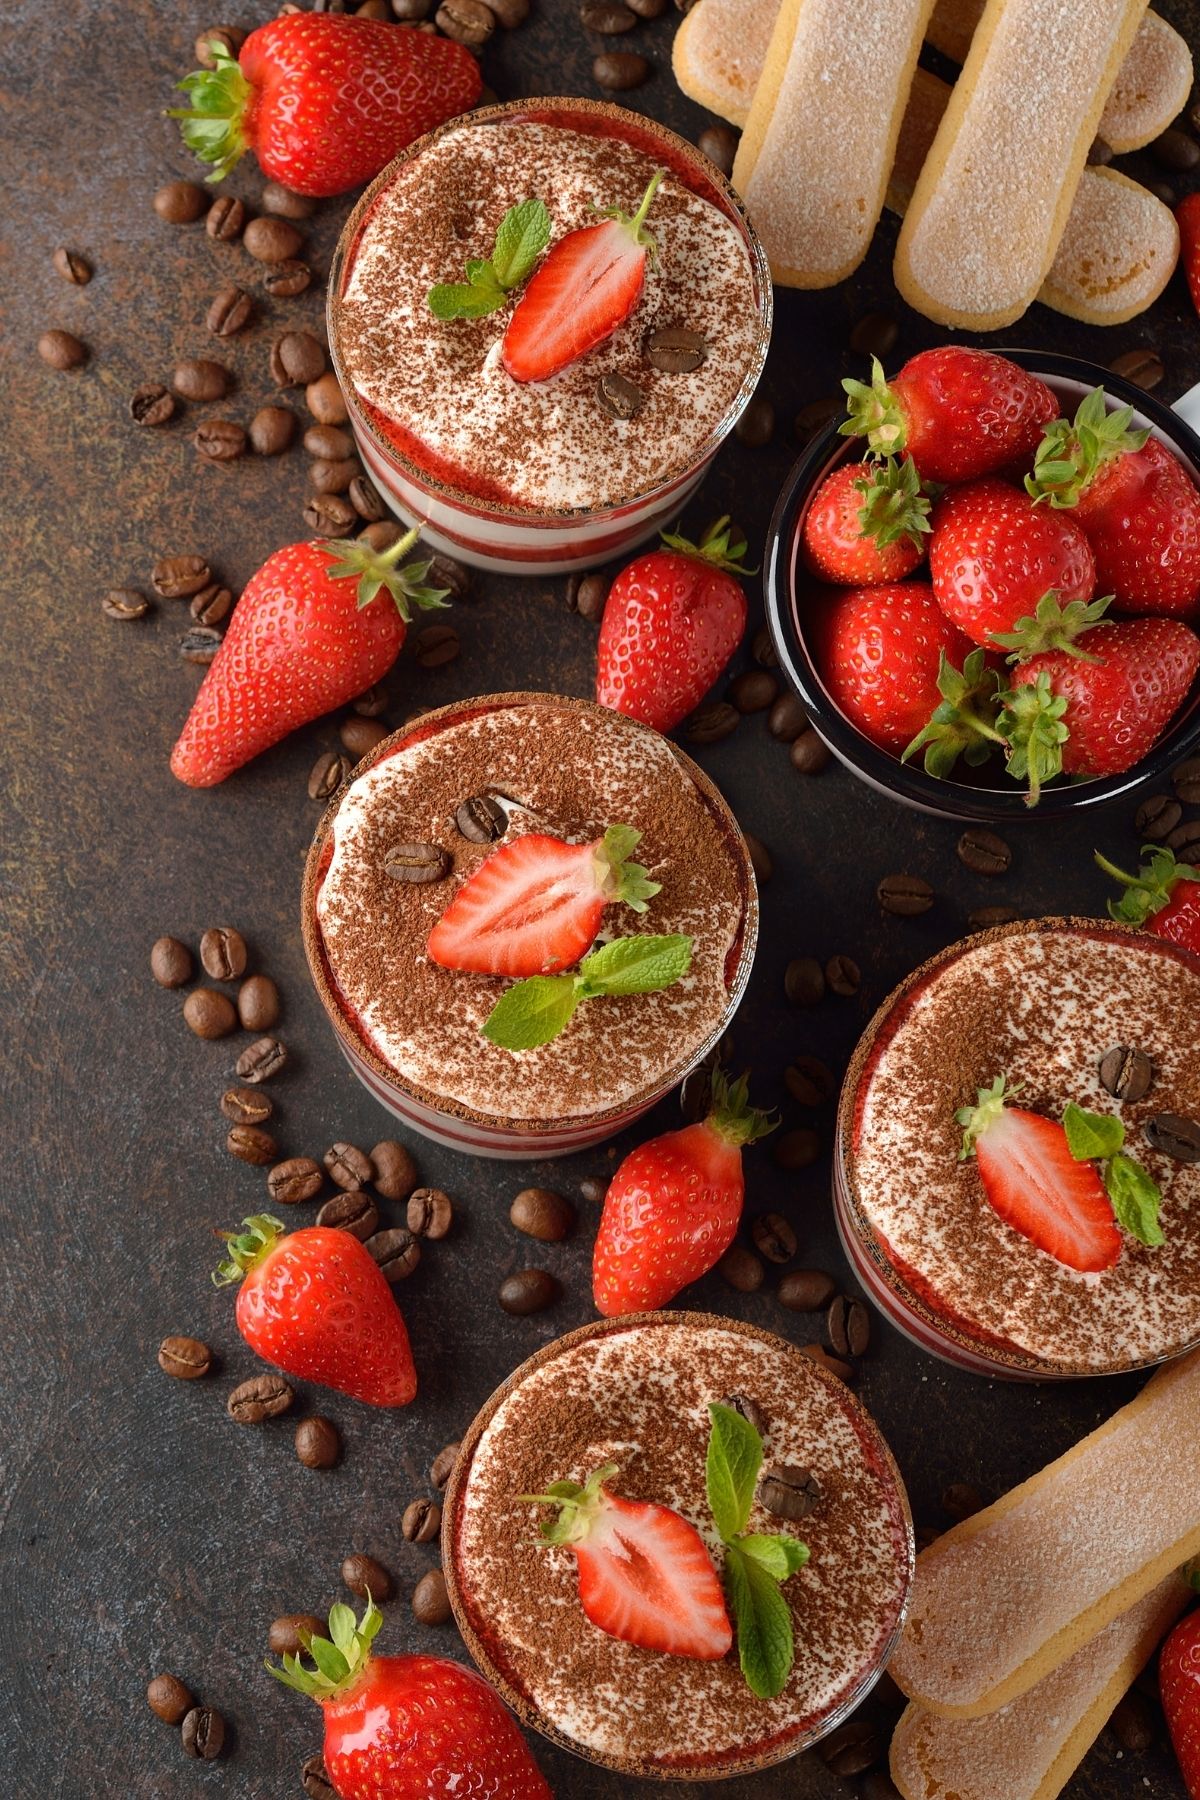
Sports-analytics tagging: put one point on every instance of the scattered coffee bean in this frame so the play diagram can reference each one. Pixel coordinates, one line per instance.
(454, 577)
(181, 202)
(200, 645)
(418, 863)
(62, 350)
(229, 311)
(170, 962)
(749, 1409)
(314, 1778)
(618, 396)
(270, 239)
(1126, 1073)
(817, 414)
(675, 350)
(849, 1325)
(1176, 150)
(1185, 841)
(285, 204)
(719, 143)
(421, 1522)
(271, 430)
(329, 442)
(786, 719)
(202, 1733)
(762, 648)
(962, 1500)
(291, 1632)
(742, 1270)
(1175, 1136)
(124, 603)
(151, 405)
(804, 981)
(586, 595)
(468, 22)
(284, 280)
(1132, 1724)
(809, 1081)
(326, 401)
(528, 1291)
(541, 1213)
(209, 1014)
(754, 691)
(318, 1443)
(364, 1576)
(760, 858)
(212, 605)
(223, 953)
(395, 1171)
(435, 646)
(904, 896)
(260, 1060)
(397, 1252)
(371, 702)
(258, 1003)
(185, 1358)
(366, 500)
(806, 1290)
(333, 477)
(226, 218)
(361, 736)
(809, 753)
(983, 852)
(328, 773)
(833, 1364)
(297, 358)
(348, 1167)
(1186, 781)
(712, 723)
(843, 976)
(243, 1106)
(1156, 818)
(72, 267)
(1144, 367)
(851, 1749)
(796, 1150)
(430, 1213)
(509, 13)
(297, 1179)
(874, 334)
(788, 1491)
(986, 918)
(220, 440)
(262, 1397)
(430, 1601)
(168, 1699)
(620, 70)
(481, 819)
(251, 1144)
(607, 17)
(442, 1466)
(773, 1237)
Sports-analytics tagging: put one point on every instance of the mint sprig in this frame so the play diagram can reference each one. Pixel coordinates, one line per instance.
(1135, 1195)
(756, 1563)
(523, 234)
(533, 1012)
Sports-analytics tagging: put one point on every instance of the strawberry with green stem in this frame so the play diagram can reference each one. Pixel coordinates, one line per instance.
(1164, 897)
(964, 722)
(867, 522)
(994, 553)
(957, 412)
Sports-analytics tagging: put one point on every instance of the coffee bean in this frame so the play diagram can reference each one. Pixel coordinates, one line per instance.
(170, 962)
(61, 350)
(226, 218)
(808, 1081)
(181, 202)
(986, 918)
(540, 1213)
(851, 1749)
(431, 1601)
(510, 13)
(455, 577)
(962, 1501)
(328, 773)
(804, 981)
(788, 1491)
(328, 442)
(318, 1443)
(229, 311)
(200, 645)
(832, 1364)
(1175, 1136)
(773, 1237)
(285, 204)
(695, 1093)
(211, 605)
(749, 1409)
(261, 1060)
(586, 595)
(809, 754)
(364, 1576)
(1186, 781)
(421, 1522)
(297, 358)
(762, 649)
(72, 267)
(242, 1106)
(291, 1182)
(430, 1213)
(468, 22)
(333, 477)
(796, 1150)
(619, 70)
(326, 401)
(874, 334)
(371, 702)
(1126, 1073)
(361, 736)
(905, 896)
(754, 691)
(365, 499)
(151, 405)
(186, 1358)
(284, 280)
(209, 1014)
(1174, 149)
(849, 1325)
(418, 863)
(397, 1253)
(741, 1269)
(719, 143)
(124, 603)
(1185, 841)
(622, 398)
(314, 1779)
(395, 1171)
(348, 1167)
(712, 723)
(1132, 1724)
(675, 350)
(1156, 818)
(262, 1397)
(258, 1003)
(203, 1733)
(786, 719)
(817, 414)
(481, 819)
(435, 646)
(251, 1144)
(291, 1632)
(271, 430)
(220, 440)
(223, 953)
(756, 426)
(1144, 367)
(271, 239)
(843, 976)
(607, 17)
(806, 1290)
(760, 858)
(983, 852)
(528, 1291)
(168, 1699)
(442, 1466)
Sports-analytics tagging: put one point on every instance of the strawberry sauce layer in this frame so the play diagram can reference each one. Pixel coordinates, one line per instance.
(1040, 1006)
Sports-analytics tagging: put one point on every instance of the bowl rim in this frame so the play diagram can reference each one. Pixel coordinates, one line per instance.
(909, 782)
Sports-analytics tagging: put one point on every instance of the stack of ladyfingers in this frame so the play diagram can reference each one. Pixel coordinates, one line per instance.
(990, 176)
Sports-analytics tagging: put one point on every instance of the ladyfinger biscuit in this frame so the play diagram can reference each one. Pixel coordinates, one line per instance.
(814, 159)
(1006, 1597)
(719, 51)
(1029, 1750)
(993, 198)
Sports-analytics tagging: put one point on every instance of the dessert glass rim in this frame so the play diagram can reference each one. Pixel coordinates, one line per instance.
(1021, 1363)
(529, 111)
(335, 1006)
(526, 1710)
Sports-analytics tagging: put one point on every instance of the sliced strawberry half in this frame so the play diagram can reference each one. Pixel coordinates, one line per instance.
(645, 1575)
(535, 906)
(1035, 1184)
(587, 286)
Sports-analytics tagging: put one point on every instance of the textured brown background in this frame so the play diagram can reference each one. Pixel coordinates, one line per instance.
(140, 1528)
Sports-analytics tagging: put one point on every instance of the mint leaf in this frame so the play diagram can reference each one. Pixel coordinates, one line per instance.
(532, 1012)
(1091, 1136)
(764, 1623)
(635, 965)
(731, 1469)
(778, 1554)
(523, 235)
(1136, 1199)
(463, 300)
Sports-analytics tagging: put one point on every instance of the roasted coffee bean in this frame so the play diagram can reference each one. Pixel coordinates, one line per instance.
(749, 1409)
(314, 1777)
(712, 723)
(209, 1014)
(262, 1397)
(330, 442)
(348, 1167)
(212, 605)
(223, 953)
(620, 397)
(271, 239)
(675, 350)
(756, 426)
(181, 202)
(804, 981)
(271, 430)
(843, 976)
(817, 414)
(395, 1170)
(72, 267)
(430, 1601)
(397, 1252)
(786, 719)
(1186, 781)
(291, 1182)
(1132, 1724)
(1177, 150)
(586, 595)
(284, 204)
(291, 1632)
(719, 143)
(773, 1237)
(366, 500)
(788, 1491)
(258, 1003)
(528, 1291)
(168, 1699)
(454, 577)
(1144, 367)
(230, 311)
(202, 1733)
(372, 702)
(360, 736)
(152, 404)
(430, 1213)
(442, 1466)
(742, 1270)
(607, 17)
(419, 863)
(541, 1213)
(124, 603)
(760, 858)
(849, 1325)
(326, 401)
(327, 775)
(1185, 841)
(435, 646)
(983, 852)
(186, 1358)
(986, 918)
(297, 359)
(220, 440)
(754, 691)
(1156, 818)
(170, 962)
(1175, 1136)
(809, 753)
(874, 334)
(762, 649)
(480, 819)
(468, 22)
(333, 477)
(905, 896)
(806, 1290)
(851, 1749)
(962, 1500)
(61, 350)
(260, 1060)
(318, 1443)
(796, 1150)
(1126, 1073)
(510, 13)
(251, 1144)
(227, 37)
(619, 70)
(421, 1522)
(364, 1576)
(242, 1106)
(226, 218)
(200, 645)
(809, 1081)
(843, 1370)
(284, 280)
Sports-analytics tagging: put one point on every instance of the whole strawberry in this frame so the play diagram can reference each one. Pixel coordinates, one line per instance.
(994, 554)
(316, 1304)
(959, 413)
(673, 1206)
(323, 99)
(408, 1727)
(882, 650)
(318, 624)
(1179, 1688)
(1164, 896)
(867, 523)
(671, 622)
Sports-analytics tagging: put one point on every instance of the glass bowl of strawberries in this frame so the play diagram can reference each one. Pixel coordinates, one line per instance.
(984, 584)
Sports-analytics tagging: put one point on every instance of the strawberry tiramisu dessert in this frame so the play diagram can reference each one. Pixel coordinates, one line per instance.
(677, 1546)
(1018, 1179)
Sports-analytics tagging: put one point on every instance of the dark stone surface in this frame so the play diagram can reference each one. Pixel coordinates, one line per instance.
(140, 1529)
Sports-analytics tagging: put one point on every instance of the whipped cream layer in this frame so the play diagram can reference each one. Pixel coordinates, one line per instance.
(570, 771)
(639, 1397)
(1040, 1007)
(547, 444)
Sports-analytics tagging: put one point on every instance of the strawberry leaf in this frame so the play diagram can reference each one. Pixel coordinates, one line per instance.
(1053, 627)
(1091, 1136)
(764, 1623)
(1032, 725)
(532, 1013)
(874, 413)
(523, 234)
(1136, 1199)
(964, 724)
(779, 1554)
(731, 1468)
(894, 506)
(1072, 453)
(1150, 889)
(634, 965)
(336, 1664)
(989, 1104)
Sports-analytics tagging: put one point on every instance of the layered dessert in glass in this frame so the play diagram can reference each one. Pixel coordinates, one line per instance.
(1039, 1262)
(544, 475)
(634, 1394)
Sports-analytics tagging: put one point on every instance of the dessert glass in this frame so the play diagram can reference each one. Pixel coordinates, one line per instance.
(985, 793)
(635, 1391)
(458, 1125)
(519, 539)
(1149, 1312)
